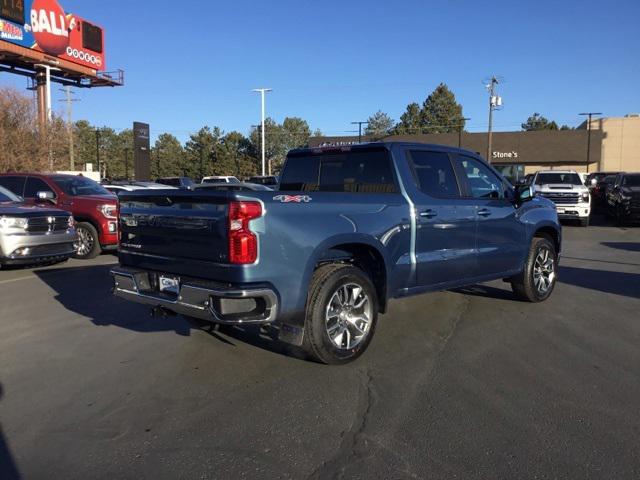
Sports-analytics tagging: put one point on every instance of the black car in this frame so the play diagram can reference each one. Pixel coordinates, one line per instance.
(623, 198)
(179, 182)
(268, 180)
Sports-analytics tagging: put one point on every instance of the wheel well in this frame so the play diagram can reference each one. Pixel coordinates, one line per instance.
(365, 257)
(551, 234)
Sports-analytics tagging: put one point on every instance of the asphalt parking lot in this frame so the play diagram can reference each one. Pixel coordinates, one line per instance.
(459, 384)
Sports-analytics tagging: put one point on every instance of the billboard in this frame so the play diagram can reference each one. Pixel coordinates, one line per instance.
(44, 26)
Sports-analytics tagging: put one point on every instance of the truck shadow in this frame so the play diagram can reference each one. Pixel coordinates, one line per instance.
(629, 246)
(606, 281)
(86, 291)
(8, 468)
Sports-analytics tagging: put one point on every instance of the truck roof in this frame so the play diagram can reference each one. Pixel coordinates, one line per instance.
(386, 144)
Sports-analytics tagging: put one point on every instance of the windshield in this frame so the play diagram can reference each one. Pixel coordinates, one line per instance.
(631, 181)
(566, 178)
(80, 186)
(7, 196)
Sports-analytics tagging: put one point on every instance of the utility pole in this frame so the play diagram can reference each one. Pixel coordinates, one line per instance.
(460, 127)
(359, 129)
(589, 115)
(262, 94)
(69, 99)
(494, 102)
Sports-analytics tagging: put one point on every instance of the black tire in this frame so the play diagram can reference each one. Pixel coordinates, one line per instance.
(584, 222)
(326, 286)
(88, 245)
(524, 285)
(619, 216)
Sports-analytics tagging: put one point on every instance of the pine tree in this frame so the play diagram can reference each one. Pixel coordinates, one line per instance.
(441, 113)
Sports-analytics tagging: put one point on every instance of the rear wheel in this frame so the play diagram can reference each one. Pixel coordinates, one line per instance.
(88, 243)
(539, 276)
(341, 314)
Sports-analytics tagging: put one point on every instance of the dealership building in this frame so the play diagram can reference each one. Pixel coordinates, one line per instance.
(614, 146)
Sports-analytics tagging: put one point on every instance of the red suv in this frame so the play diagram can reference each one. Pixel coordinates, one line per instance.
(94, 208)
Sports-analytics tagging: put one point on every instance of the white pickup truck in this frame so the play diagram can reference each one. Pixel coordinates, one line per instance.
(567, 191)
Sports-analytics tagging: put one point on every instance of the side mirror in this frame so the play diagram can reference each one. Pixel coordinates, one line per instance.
(45, 196)
(524, 193)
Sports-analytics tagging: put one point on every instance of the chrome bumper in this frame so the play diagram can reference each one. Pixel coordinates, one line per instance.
(25, 248)
(197, 299)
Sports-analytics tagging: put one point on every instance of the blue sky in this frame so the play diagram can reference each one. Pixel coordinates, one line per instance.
(191, 63)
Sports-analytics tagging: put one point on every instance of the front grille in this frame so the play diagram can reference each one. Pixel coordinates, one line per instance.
(569, 198)
(48, 224)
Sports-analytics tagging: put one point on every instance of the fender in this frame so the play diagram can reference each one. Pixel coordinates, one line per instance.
(333, 242)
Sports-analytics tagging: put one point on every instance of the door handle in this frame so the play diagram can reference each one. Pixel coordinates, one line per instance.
(484, 212)
(428, 214)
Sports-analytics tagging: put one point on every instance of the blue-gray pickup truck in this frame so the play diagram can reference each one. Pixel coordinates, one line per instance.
(348, 229)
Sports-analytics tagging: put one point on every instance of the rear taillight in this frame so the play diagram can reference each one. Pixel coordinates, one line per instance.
(243, 243)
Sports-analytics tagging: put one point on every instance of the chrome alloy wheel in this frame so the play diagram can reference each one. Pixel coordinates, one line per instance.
(85, 241)
(348, 316)
(544, 270)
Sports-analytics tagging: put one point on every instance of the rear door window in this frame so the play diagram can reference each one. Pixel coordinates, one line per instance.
(35, 185)
(14, 184)
(434, 174)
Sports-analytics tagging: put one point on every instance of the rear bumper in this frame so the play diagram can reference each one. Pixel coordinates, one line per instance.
(215, 302)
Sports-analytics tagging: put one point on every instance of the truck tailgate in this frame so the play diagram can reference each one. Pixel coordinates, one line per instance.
(175, 225)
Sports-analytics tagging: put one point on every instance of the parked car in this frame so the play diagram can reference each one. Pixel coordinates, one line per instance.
(269, 180)
(178, 182)
(93, 207)
(623, 198)
(594, 177)
(220, 179)
(349, 229)
(129, 186)
(232, 186)
(597, 184)
(31, 235)
(566, 190)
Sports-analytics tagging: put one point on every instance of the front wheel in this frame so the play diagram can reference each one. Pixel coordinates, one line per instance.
(537, 280)
(584, 222)
(88, 243)
(341, 314)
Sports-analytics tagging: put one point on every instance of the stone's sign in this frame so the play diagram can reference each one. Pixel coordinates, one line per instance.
(512, 154)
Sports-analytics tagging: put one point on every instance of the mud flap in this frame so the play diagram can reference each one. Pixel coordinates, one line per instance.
(292, 334)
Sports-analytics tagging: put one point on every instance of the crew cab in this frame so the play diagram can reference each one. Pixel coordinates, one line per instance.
(93, 207)
(32, 235)
(349, 229)
(623, 198)
(567, 191)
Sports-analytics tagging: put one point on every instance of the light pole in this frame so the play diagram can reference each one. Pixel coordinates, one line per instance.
(589, 114)
(262, 94)
(359, 129)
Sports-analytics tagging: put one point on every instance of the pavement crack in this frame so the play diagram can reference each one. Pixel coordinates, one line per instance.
(354, 442)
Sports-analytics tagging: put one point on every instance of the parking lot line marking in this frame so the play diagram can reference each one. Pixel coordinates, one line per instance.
(11, 280)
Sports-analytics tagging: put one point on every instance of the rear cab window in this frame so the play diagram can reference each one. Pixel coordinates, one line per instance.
(359, 170)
